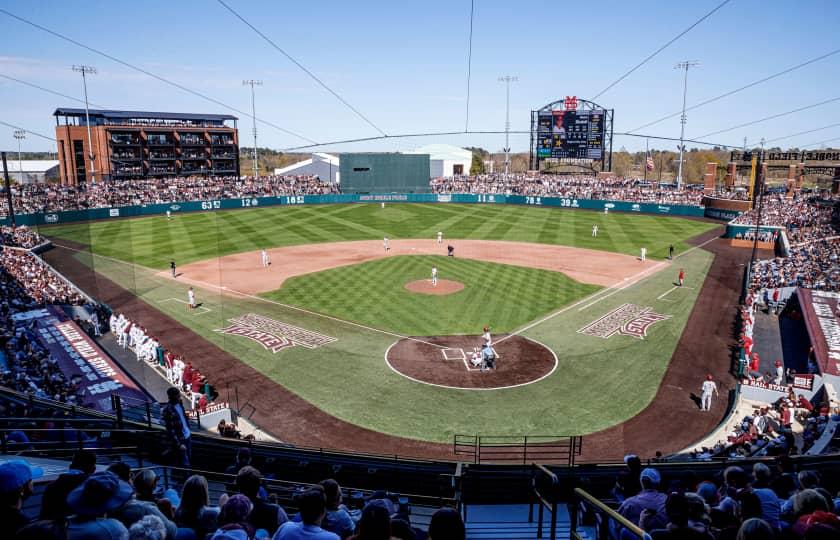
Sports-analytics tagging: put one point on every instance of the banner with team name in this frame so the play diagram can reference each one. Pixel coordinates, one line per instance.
(79, 358)
(820, 310)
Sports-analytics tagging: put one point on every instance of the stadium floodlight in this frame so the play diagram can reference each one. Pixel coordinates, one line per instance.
(507, 79)
(85, 71)
(20, 135)
(252, 83)
(684, 66)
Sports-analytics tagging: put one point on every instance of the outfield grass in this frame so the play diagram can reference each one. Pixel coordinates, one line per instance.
(503, 296)
(154, 241)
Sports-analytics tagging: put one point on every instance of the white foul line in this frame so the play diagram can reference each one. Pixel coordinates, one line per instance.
(666, 293)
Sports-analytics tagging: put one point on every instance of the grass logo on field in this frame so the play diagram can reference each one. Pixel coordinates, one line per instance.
(626, 320)
(274, 335)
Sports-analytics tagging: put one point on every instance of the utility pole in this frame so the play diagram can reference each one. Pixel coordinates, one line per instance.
(20, 135)
(252, 83)
(507, 79)
(685, 66)
(85, 71)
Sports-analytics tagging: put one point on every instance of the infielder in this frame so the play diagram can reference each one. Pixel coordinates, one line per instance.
(440, 237)
(644, 254)
(191, 298)
(434, 275)
(594, 231)
(172, 268)
(265, 258)
(707, 389)
(385, 243)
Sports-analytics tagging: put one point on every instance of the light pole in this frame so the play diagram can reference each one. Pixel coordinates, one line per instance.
(507, 79)
(685, 66)
(85, 71)
(252, 83)
(20, 135)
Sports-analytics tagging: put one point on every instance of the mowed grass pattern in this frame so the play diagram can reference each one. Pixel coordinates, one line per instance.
(373, 293)
(154, 241)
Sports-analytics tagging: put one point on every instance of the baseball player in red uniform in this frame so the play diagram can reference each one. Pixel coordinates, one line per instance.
(681, 277)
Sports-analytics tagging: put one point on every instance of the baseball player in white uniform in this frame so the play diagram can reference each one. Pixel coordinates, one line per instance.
(168, 215)
(191, 298)
(383, 205)
(440, 237)
(594, 231)
(707, 389)
(644, 254)
(265, 259)
(434, 275)
(386, 244)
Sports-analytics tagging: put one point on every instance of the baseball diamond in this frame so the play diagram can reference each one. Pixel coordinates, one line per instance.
(533, 275)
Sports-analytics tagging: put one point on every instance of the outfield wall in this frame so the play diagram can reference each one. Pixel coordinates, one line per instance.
(50, 218)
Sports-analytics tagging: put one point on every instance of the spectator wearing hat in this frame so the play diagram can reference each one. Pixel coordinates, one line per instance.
(627, 481)
(54, 500)
(177, 428)
(100, 495)
(233, 520)
(15, 486)
(313, 508)
(649, 498)
(144, 504)
(265, 515)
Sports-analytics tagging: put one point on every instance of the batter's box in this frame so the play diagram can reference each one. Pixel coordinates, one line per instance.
(454, 354)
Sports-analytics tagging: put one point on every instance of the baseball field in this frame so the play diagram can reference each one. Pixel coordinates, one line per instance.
(584, 330)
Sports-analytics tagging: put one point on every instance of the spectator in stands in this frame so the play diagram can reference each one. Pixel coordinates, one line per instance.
(265, 515)
(143, 504)
(243, 459)
(771, 507)
(735, 479)
(337, 518)
(756, 529)
(677, 528)
(401, 530)
(177, 429)
(54, 499)
(375, 524)
(627, 482)
(233, 520)
(446, 524)
(100, 494)
(15, 486)
(313, 508)
(807, 480)
(121, 470)
(195, 511)
(649, 498)
(806, 503)
(148, 528)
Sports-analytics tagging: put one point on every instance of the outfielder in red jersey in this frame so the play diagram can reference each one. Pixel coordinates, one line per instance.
(681, 276)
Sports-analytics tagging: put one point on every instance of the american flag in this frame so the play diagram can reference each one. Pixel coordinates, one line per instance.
(649, 163)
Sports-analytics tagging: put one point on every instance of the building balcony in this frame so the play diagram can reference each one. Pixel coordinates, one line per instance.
(125, 141)
(194, 157)
(162, 171)
(192, 140)
(216, 140)
(161, 157)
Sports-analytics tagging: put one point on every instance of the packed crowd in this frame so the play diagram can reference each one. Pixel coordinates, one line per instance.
(25, 365)
(757, 503)
(22, 237)
(120, 503)
(177, 371)
(573, 187)
(35, 198)
(802, 218)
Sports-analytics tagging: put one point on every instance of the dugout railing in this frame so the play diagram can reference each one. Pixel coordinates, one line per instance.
(518, 449)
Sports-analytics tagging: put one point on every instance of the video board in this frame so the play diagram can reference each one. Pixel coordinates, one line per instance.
(571, 134)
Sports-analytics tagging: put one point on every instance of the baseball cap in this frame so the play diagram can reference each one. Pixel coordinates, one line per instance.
(652, 475)
(16, 473)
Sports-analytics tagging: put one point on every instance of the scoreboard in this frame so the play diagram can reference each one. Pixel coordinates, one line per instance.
(571, 134)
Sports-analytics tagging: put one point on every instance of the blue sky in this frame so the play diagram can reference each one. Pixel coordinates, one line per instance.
(403, 64)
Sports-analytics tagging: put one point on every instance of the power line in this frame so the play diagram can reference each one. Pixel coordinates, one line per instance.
(148, 73)
(801, 133)
(772, 117)
(821, 142)
(53, 92)
(301, 66)
(735, 91)
(469, 65)
(28, 131)
(660, 49)
(483, 132)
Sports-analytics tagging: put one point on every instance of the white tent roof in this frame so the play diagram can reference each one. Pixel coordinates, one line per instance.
(30, 165)
(446, 152)
(320, 156)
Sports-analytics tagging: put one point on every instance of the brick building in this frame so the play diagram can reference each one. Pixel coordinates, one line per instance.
(135, 144)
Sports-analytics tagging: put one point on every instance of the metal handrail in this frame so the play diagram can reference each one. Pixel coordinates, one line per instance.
(618, 518)
(543, 503)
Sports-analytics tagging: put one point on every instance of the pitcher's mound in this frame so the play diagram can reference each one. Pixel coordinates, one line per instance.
(444, 286)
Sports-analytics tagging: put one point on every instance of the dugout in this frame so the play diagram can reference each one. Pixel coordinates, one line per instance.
(384, 173)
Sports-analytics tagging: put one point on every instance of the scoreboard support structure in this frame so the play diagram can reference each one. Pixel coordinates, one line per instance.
(572, 131)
